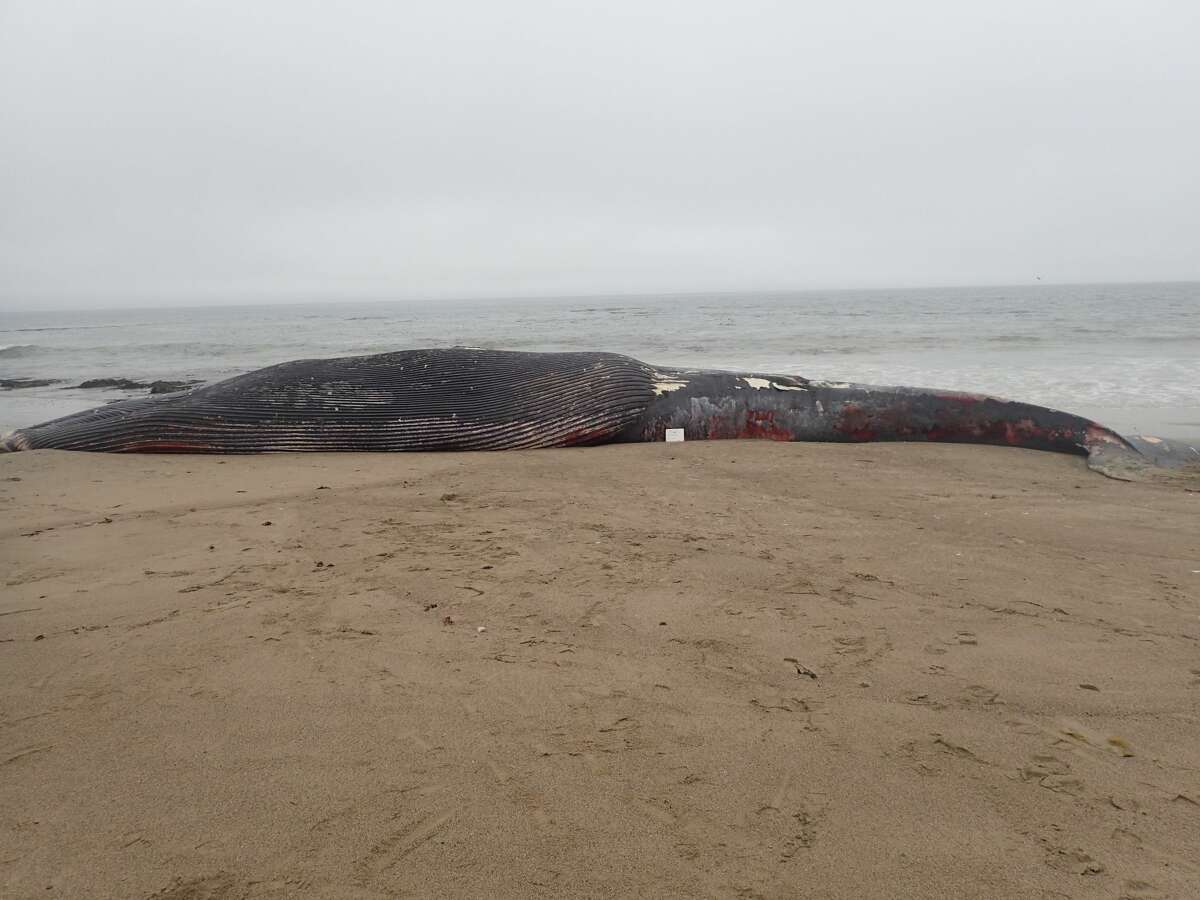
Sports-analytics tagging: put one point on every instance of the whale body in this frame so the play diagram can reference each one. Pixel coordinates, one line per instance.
(470, 399)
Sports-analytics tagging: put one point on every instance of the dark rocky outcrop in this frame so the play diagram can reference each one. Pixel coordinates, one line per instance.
(128, 384)
(14, 384)
(120, 384)
(170, 387)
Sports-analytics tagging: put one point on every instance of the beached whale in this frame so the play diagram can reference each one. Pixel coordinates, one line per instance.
(470, 399)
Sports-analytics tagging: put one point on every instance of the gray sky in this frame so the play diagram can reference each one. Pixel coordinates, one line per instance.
(200, 150)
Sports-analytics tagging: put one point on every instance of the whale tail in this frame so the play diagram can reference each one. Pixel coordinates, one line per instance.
(1142, 457)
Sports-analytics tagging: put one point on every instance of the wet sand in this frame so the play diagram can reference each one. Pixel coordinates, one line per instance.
(700, 670)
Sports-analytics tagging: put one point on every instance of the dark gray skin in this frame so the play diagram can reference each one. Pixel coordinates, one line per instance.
(466, 399)
(710, 405)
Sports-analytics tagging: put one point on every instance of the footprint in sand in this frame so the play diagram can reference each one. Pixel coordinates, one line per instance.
(979, 695)
(1052, 773)
(1140, 890)
(803, 827)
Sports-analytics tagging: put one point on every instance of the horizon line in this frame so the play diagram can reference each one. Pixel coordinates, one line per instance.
(298, 299)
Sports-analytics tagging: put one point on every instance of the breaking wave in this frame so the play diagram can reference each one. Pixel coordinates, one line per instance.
(17, 351)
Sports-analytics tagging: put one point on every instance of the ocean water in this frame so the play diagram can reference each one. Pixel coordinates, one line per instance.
(1126, 355)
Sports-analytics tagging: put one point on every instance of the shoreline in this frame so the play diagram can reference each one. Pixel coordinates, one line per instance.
(705, 669)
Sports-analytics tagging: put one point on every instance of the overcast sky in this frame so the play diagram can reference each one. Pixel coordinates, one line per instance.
(226, 151)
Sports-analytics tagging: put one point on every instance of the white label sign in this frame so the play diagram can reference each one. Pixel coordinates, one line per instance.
(674, 434)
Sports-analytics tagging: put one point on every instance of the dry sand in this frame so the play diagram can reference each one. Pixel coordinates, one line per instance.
(701, 670)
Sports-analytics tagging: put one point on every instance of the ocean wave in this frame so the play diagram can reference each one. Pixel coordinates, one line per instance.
(47, 328)
(17, 351)
(1015, 339)
(1184, 338)
(827, 350)
(69, 327)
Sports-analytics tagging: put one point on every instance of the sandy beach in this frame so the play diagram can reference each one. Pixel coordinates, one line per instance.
(702, 670)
